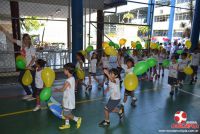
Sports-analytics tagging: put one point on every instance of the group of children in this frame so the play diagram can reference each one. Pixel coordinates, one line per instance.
(112, 77)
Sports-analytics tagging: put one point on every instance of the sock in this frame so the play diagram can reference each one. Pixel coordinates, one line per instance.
(123, 103)
(66, 122)
(107, 120)
(75, 119)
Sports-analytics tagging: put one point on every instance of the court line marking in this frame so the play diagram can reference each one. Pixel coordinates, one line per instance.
(81, 102)
(196, 95)
(44, 108)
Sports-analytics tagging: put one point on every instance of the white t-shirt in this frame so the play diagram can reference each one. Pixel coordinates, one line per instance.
(38, 79)
(114, 89)
(195, 59)
(126, 69)
(173, 70)
(93, 66)
(27, 52)
(113, 61)
(182, 64)
(105, 62)
(78, 65)
(69, 94)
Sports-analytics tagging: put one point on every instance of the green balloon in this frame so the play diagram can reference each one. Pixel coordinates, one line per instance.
(45, 94)
(166, 63)
(179, 52)
(89, 49)
(117, 46)
(140, 68)
(112, 44)
(21, 64)
(138, 45)
(128, 51)
(152, 62)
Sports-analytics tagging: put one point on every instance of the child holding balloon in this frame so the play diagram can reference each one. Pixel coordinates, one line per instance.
(183, 62)
(161, 57)
(92, 70)
(114, 100)
(68, 102)
(128, 68)
(40, 64)
(79, 66)
(173, 73)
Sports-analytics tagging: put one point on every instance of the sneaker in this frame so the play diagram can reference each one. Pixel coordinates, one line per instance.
(133, 104)
(107, 83)
(121, 108)
(171, 93)
(64, 127)
(120, 115)
(134, 99)
(26, 97)
(37, 108)
(163, 75)
(104, 123)
(31, 99)
(78, 123)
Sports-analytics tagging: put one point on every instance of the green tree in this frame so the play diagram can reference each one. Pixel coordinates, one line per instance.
(31, 23)
(127, 17)
(143, 29)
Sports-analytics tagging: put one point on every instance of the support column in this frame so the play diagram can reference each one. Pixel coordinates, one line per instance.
(14, 7)
(171, 19)
(77, 27)
(195, 26)
(100, 28)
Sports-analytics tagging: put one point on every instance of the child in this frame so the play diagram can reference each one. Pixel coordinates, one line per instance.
(79, 66)
(153, 71)
(114, 100)
(40, 64)
(105, 64)
(128, 68)
(194, 65)
(144, 58)
(173, 73)
(181, 65)
(69, 97)
(162, 56)
(134, 56)
(92, 70)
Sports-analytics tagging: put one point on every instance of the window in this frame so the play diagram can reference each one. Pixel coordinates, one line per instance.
(182, 16)
(161, 18)
(160, 32)
(182, 1)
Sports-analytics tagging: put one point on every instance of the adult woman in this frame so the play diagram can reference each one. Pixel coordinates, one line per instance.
(28, 51)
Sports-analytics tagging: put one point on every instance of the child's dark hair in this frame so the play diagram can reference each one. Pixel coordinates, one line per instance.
(69, 67)
(115, 71)
(130, 60)
(184, 54)
(174, 57)
(41, 62)
(81, 56)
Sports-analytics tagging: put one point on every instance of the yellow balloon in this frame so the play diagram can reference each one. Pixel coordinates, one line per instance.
(113, 52)
(188, 44)
(153, 45)
(188, 70)
(133, 44)
(48, 76)
(84, 53)
(131, 82)
(122, 41)
(27, 79)
(108, 50)
(105, 44)
(80, 74)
